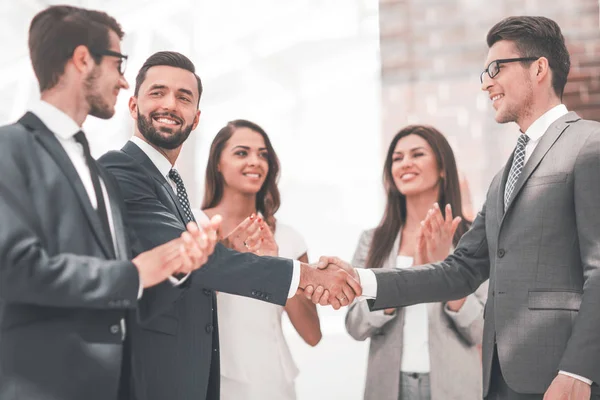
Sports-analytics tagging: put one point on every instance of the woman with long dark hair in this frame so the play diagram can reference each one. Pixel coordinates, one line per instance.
(241, 181)
(425, 351)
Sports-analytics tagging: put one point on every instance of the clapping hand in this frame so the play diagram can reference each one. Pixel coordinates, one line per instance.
(253, 235)
(434, 238)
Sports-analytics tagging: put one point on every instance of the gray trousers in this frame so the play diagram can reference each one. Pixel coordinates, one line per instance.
(414, 386)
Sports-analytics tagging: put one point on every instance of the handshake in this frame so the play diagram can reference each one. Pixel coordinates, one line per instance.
(330, 282)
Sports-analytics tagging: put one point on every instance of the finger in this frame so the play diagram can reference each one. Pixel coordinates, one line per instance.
(191, 246)
(354, 285)
(324, 261)
(334, 302)
(254, 239)
(308, 291)
(317, 294)
(348, 295)
(455, 223)
(325, 298)
(436, 219)
(427, 228)
(186, 261)
(448, 219)
(245, 224)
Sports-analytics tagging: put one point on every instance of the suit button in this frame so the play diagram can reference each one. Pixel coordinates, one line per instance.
(254, 293)
(207, 292)
(267, 297)
(209, 328)
(114, 329)
(501, 253)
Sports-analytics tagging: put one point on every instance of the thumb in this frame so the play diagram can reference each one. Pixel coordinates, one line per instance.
(324, 261)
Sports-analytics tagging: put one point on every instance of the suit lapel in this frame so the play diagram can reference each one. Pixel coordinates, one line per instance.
(134, 151)
(60, 156)
(546, 142)
(502, 184)
(120, 239)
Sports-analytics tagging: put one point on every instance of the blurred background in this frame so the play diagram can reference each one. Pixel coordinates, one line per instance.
(331, 81)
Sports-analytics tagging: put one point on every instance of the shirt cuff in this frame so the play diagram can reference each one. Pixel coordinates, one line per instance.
(177, 282)
(140, 291)
(580, 378)
(295, 279)
(368, 281)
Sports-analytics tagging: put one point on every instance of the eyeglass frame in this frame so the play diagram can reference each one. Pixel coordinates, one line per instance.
(123, 57)
(503, 61)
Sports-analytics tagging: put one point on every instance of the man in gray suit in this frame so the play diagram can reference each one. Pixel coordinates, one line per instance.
(176, 355)
(537, 237)
(66, 282)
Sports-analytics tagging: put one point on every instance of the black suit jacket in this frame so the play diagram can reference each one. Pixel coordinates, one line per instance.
(64, 288)
(176, 354)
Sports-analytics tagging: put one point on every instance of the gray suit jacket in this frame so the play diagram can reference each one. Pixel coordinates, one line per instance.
(64, 288)
(176, 354)
(455, 361)
(542, 257)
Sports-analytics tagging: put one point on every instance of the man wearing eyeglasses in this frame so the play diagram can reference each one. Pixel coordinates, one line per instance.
(537, 237)
(66, 282)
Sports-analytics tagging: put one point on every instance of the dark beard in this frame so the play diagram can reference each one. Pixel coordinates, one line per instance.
(98, 107)
(153, 136)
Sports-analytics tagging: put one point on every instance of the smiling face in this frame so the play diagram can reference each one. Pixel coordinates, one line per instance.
(103, 83)
(414, 166)
(511, 91)
(244, 161)
(166, 108)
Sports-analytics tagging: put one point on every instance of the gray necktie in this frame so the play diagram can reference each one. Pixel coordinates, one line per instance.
(516, 168)
(182, 195)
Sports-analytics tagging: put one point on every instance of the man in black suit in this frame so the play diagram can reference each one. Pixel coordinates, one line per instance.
(66, 284)
(176, 355)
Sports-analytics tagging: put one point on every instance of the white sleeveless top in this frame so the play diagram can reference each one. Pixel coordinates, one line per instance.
(415, 332)
(253, 348)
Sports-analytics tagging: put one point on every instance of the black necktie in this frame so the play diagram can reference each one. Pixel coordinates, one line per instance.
(101, 209)
(182, 195)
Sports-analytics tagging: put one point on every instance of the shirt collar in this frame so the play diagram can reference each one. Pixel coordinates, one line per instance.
(159, 160)
(541, 125)
(56, 120)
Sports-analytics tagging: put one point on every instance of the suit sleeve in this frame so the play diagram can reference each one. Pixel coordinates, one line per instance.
(31, 274)
(456, 277)
(362, 323)
(468, 321)
(582, 354)
(244, 274)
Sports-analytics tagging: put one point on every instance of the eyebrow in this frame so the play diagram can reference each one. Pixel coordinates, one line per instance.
(413, 149)
(159, 86)
(247, 148)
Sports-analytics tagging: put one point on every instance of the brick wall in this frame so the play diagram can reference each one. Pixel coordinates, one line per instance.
(432, 52)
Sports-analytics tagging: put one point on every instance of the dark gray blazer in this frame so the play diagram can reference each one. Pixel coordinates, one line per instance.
(542, 257)
(176, 355)
(63, 287)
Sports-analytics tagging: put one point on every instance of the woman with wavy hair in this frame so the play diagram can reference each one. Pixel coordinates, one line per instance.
(425, 351)
(241, 181)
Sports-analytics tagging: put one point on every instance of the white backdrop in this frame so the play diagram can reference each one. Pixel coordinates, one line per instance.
(308, 72)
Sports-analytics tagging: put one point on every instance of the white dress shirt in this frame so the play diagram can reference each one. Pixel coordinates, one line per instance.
(535, 133)
(64, 129)
(164, 166)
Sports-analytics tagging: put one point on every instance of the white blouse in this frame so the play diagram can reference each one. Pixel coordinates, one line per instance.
(415, 337)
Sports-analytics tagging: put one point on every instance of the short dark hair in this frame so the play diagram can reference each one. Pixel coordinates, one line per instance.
(170, 59)
(55, 32)
(536, 37)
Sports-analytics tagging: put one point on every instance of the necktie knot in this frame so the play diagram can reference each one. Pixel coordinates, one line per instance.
(173, 174)
(522, 141)
(82, 140)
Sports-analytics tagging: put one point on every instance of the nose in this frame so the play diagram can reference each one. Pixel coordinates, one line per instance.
(123, 84)
(486, 83)
(168, 102)
(406, 162)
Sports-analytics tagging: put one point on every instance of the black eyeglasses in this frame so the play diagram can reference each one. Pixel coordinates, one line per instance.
(123, 57)
(493, 69)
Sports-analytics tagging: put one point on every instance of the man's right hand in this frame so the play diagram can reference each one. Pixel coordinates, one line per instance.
(156, 265)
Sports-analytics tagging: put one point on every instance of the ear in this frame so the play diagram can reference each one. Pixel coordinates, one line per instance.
(82, 59)
(133, 109)
(542, 69)
(196, 120)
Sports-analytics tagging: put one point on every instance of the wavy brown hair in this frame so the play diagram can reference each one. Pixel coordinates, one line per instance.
(395, 210)
(267, 198)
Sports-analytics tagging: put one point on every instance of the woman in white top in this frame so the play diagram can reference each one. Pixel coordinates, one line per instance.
(241, 181)
(425, 351)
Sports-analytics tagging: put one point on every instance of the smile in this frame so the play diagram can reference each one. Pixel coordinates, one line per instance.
(166, 121)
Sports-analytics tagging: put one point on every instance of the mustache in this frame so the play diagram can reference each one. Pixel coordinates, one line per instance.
(170, 115)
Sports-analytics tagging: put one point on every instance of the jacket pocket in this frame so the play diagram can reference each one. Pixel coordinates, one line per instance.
(554, 299)
(162, 323)
(546, 179)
